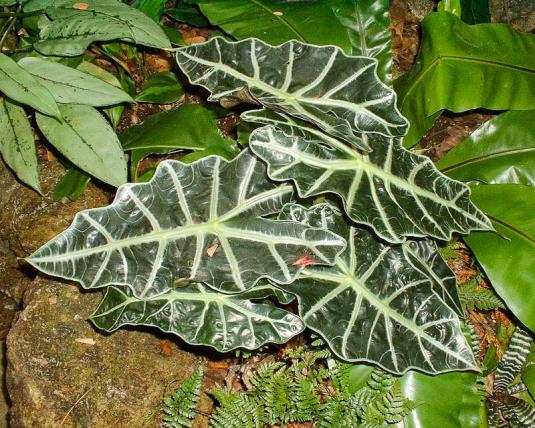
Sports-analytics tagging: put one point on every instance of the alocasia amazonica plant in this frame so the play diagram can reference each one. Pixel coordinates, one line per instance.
(198, 249)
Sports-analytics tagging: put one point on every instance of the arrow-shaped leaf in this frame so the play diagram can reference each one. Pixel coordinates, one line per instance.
(320, 84)
(396, 192)
(202, 317)
(376, 304)
(200, 221)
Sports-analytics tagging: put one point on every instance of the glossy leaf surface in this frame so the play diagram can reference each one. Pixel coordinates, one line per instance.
(342, 95)
(21, 86)
(161, 88)
(72, 29)
(71, 185)
(69, 85)
(87, 140)
(379, 303)
(188, 127)
(450, 400)
(277, 22)
(462, 67)
(499, 152)
(200, 221)
(368, 26)
(16, 144)
(508, 260)
(396, 192)
(201, 316)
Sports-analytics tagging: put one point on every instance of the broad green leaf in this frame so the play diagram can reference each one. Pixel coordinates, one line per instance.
(21, 86)
(452, 400)
(201, 221)
(368, 26)
(187, 13)
(340, 94)
(509, 259)
(98, 72)
(462, 67)
(16, 144)
(72, 28)
(276, 22)
(451, 6)
(71, 185)
(71, 86)
(161, 88)
(86, 139)
(475, 11)
(151, 8)
(499, 152)
(396, 192)
(188, 127)
(201, 316)
(380, 303)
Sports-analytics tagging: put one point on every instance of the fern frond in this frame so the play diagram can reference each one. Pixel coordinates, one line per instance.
(474, 296)
(179, 408)
(449, 251)
(236, 411)
(306, 402)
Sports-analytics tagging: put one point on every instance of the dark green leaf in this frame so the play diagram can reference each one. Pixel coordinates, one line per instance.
(451, 6)
(71, 86)
(87, 140)
(209, 216)
(72, 185)
(174, 36)
(475, 11)
(161, 88)
(500, 151)
(391, 189)
(21, 86)
(187, 13)
(188, 127)
(72, 29)
(277, 22)
(368, 26)
(201, 316)
(462, 67)
(151, 8)
(508, 260)
(390, 305)
(320, 84)
(451, 400)
(16, 143)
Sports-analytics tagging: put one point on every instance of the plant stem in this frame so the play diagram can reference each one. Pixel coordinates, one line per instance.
(11, 21)
(20, 14)
(116, 60)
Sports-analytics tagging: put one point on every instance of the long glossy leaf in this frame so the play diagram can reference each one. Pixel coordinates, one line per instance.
(201, 316)
(188, 127)
(74, 27)
(200, 221)
(379, 303)
(342, 95)
(396, 192)
(508, 260)
(368, 26)
(462, 67)
(16, 144)
(161, 88)
(87, 140)
(277, 22)
(21, 86)
(69, 85)
(451, 400)
(499, 152)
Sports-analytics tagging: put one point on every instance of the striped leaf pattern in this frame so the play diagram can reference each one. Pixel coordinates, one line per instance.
(513, 360)
(319, 84)
(201, 316)
(379, 303)
(391, 189)
(201, 221)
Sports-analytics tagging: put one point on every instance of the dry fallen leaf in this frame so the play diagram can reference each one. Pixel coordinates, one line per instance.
(211, 251)
(80, 6)
(86, 341)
